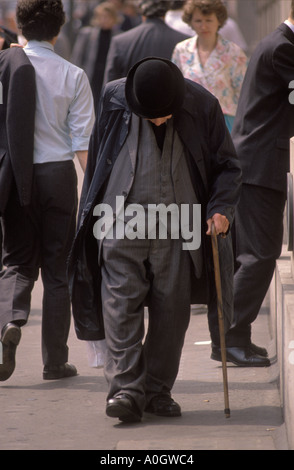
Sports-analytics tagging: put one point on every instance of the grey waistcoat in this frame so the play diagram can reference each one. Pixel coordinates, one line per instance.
(144, 176)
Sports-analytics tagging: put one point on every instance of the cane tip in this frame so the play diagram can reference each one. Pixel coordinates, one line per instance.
(227, 413)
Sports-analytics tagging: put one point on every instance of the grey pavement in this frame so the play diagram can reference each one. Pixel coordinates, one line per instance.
(69, 414)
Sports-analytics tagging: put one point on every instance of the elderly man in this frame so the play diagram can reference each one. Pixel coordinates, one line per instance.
(160, 141)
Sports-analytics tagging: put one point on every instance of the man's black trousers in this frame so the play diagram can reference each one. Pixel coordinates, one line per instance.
(258, 240)
(39, 237)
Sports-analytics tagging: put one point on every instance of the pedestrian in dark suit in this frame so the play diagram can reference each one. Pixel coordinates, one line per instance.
(153, 37)
(158, 140)
(46, 117)
(92, 44)
(6, 38)
(263, 127)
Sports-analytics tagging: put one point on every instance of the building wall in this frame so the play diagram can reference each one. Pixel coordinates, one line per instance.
(270, 13)
(257, 18)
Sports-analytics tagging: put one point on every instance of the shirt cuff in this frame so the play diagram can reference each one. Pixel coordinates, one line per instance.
(80, 143)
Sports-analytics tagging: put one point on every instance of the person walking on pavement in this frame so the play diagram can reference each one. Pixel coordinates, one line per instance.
(208, 58)
(153, 37)
(6, 38)
(92, 43)
(47, 116)
(148, 151)
(263, 127)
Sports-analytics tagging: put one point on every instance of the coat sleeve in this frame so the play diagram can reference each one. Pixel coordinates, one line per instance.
(20, 125)
(103, 147)
(80, 47)
(93, 152)
(283, 63)
(83, 269)
(225, 169)
(112, 68)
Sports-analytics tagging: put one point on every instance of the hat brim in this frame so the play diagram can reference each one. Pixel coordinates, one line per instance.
(145, 111)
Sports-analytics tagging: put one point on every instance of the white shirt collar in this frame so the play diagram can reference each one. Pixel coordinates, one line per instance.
(33, 44)
(291, 25)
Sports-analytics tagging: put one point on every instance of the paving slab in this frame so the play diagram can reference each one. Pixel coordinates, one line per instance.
(69, 414)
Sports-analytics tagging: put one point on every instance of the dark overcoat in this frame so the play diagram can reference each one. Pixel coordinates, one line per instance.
(264, 121)
(215, 174)
(153, 37)
(17, 125)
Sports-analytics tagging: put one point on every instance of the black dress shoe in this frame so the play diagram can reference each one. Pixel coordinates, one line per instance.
(163, 405)
(258, 350)
(123, 407)
(59, 371)
(242, 357)
(10, 338)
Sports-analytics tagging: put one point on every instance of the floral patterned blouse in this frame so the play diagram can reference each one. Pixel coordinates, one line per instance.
(222, 74)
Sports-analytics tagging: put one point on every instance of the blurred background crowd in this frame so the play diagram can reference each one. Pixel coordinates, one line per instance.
(255, 18)
(80, 13)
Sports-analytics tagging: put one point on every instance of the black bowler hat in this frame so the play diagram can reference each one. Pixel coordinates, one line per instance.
(155, 88)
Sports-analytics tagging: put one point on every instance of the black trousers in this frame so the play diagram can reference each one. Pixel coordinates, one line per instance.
(39, 237)
(258, 243)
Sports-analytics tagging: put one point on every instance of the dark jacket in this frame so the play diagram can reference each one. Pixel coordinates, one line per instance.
(17, 124)
(153, 37)
(264, 122)
(215, 173)
(90, 53)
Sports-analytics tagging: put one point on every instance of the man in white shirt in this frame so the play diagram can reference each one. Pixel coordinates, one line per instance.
(39, 235)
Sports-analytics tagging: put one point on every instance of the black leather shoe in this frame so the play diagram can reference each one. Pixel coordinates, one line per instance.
(242, 357)
(123, 407)
(59, 372)
(258, 350)
(163, 405)
(10, 339)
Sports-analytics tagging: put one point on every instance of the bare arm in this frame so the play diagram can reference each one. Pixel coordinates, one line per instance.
(82, 157)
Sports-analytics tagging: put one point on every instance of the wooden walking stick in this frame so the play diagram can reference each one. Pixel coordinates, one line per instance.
(220, 316)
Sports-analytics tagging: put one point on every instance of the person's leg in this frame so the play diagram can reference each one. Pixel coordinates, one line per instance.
(169, 316)
(124, 288)
(20, 271)
(1, 245)
(57, 190)
(20, 262)
(259, 234)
